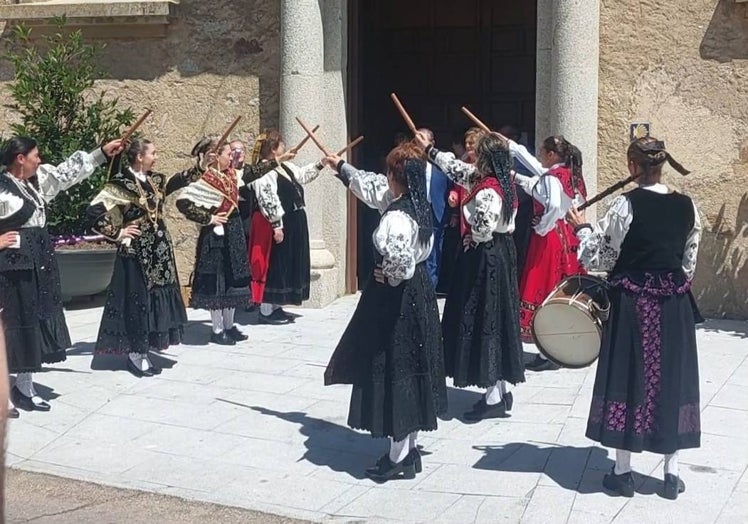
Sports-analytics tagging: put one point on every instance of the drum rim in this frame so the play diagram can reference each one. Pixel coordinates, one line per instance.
(552, 359)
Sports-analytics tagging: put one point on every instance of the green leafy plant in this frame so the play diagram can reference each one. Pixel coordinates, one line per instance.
(53, 91)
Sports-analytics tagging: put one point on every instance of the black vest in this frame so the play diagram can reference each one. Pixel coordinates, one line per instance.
(657, 236)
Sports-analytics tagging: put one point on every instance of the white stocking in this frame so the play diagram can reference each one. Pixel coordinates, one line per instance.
(495, 393)
(216, 316)
(266, 309)
(623, 462)
(228, 318)
(399, 449)
(412, 440)
(671, 464)
(25, 384)
(139, 360)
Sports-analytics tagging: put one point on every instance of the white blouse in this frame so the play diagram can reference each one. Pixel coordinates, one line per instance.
(52, 180)
(266, 189)
(483, 211)
(544, 188)
(396, 237)
(600, 247)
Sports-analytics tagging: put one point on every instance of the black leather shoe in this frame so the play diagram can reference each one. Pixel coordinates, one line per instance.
(482, 411)
(508, 400)
(132, 368)
(13, 413)
(27, 403)
(621, 484)
(673, 486)
(414, 458)
(236, 335)
(541, 364)
(274, 319)
(222, 339)
(154, 370)
(385, 470)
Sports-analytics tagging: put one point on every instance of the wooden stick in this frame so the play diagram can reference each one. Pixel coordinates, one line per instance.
(403, 113)
(304, 140)
(350, 146)
(226, 134)
(136, 125)
(477, 121)
(313, 137)
(612, 189)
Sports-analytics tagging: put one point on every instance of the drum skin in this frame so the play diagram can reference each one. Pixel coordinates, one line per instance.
(566, 328)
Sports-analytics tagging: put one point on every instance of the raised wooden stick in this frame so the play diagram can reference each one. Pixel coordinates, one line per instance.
(350, 146)
(403, 113)
(136, 125)
(477, 121)
(226, 134)
(610, 190)
(295, 149)
(313, 137)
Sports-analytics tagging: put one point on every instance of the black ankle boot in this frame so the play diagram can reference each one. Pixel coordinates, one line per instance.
(386, 470)
(414, 457)
(673, 486)
(621, 484)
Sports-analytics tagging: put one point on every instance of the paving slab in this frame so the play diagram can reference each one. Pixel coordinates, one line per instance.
(252, 426)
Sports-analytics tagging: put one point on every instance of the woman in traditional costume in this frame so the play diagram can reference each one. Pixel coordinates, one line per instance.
(30, 294)
(552, 250)
(279, 248)
(220, 281)
(480, 325)
(646, 392)
(144, 310)
(391, 351)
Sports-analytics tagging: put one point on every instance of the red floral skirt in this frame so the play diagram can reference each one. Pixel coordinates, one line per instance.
(549, 260)
(260, 245)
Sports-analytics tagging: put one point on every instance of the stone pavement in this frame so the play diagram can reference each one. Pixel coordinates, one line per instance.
(252, 426)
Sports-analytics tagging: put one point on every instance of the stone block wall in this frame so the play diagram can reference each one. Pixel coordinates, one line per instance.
(683, 66)
(218, 60)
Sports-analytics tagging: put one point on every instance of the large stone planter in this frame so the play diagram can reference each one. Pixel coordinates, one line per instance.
(84, 272)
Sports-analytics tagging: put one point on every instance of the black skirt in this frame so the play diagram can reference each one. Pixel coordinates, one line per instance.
(33, 317)
(289, 271)
(646, 393)
(137, 319)
(391, 353)
(451, 244)
(221, 277)
(480, 325)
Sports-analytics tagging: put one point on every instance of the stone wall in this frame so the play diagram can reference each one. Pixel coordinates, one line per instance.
(219, 59)
(682, 66)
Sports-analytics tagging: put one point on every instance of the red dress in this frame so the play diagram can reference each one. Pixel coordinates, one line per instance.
(550, 258)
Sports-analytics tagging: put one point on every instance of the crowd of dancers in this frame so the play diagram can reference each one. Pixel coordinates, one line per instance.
(496, 230)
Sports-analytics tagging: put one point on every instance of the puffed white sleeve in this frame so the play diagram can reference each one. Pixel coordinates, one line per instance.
(692, 245)
(268, 201)
(10, 204)
(395, 240)
(79, 166)
(370, 188)
(549, 192)
(306, 174)
(461, 173)
(521, 153)
(600, 247)
(486, 215)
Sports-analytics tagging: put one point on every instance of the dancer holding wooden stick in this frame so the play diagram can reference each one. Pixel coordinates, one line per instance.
(33, 318)
(391, 351)
(646, 392)
(480, 323)
(221, 277)
(279, 241)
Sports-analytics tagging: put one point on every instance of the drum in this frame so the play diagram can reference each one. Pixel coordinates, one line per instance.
(567, 327)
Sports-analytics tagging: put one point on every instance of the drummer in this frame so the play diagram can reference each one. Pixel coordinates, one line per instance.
(646, 392)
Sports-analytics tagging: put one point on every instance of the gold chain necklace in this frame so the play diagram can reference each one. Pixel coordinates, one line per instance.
(151, 212)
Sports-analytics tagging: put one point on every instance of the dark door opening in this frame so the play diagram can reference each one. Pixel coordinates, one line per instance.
(437, 55)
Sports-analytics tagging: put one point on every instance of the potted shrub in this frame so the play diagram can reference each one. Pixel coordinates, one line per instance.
(53, 92)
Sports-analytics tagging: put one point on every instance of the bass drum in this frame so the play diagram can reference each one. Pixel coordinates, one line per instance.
(567, 327)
